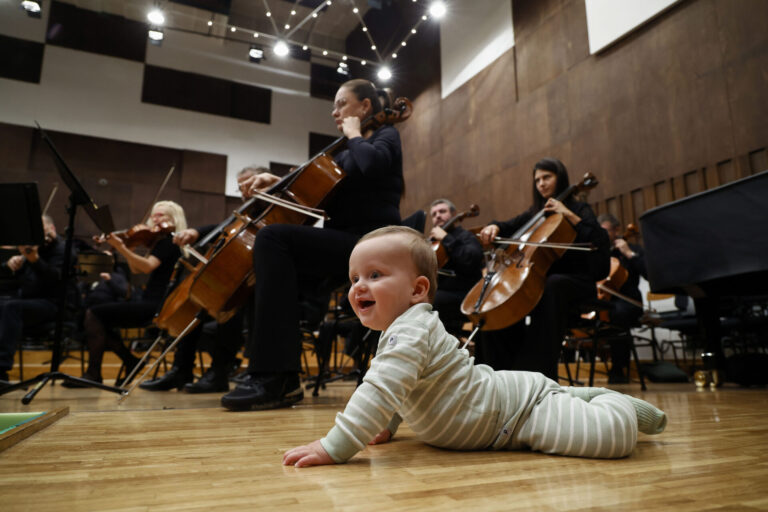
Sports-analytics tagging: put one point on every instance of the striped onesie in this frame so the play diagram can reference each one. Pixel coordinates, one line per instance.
(419, 375)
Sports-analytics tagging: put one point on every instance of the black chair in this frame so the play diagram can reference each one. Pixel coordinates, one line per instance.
(592, 334)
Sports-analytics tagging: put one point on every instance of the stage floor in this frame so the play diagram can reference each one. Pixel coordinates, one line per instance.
(161, 451)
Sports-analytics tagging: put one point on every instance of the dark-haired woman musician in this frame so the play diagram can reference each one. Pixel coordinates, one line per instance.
(286, 257)
(570, 279)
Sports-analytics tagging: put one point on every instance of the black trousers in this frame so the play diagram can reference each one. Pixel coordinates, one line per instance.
(536, 348)
(15, 315)
(285, 257)
(622, 314)
(228, 339)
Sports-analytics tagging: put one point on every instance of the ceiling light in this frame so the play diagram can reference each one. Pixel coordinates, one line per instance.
(314, 15)
(344, 57)
(373, 47)
(305, 47)
(232, 29)
(255, 34)
(255, 54)
(437, 9)
(355, 10)
(394, 55)
(343, 69)
(384, 73)
(413, 31)
(287, 26)
(328, 2)
(269, 14)
(210, 23)
(365, 29)
(293, 12)
(363, 62)
(155, 17)
(325, 52)
(281, 49)
(33, 7)
(155, 35)
(403, 43)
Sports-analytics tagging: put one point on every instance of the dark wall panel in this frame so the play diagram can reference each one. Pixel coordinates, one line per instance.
(319, 141)
(95, 32)
(20, 59)
(191, 91)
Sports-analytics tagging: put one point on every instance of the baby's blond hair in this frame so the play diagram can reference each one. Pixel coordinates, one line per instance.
(422, 255)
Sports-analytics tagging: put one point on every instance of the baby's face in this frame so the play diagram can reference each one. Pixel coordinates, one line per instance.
(384, 281)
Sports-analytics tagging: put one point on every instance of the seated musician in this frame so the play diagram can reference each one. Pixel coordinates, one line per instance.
(228, 335)
(39, 273)
(623, 313)
(570, 279)
(287, 256)
(464, 267)
(102, 321)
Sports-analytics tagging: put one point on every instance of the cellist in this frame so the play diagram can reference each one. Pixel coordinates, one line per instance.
(623, 313)
(570, 279)
(288, 257)
(464, 266)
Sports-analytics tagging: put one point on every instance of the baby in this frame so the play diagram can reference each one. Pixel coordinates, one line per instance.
(419, 375)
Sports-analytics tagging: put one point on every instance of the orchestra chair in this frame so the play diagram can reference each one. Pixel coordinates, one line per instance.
(45, 333)
(592, 335)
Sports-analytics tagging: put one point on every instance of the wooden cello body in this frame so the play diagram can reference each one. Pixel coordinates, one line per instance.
(437, 245)
(514, 280)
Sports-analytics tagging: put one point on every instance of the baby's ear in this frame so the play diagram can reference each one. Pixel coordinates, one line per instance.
(420, 291)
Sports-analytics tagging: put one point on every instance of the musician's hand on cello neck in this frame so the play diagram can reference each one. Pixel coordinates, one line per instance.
(489, 233)
(256, 183)
(350, 126)
(555, 206)
(437, 233)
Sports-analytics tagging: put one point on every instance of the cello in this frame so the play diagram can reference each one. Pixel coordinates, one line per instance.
(223, 278)
(515, 276)
(437, 245)
(618, 274)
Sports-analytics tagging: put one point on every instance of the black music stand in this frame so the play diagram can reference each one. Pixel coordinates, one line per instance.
(103, 220)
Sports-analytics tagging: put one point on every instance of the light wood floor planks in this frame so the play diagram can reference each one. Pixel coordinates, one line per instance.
(174, 451)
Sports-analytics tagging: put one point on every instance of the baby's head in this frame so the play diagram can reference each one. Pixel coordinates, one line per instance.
(390, 269)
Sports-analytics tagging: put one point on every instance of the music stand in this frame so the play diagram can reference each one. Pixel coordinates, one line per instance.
(103, 220)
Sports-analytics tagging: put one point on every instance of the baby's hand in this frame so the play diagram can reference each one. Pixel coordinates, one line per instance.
(312, 454)
(382, 437)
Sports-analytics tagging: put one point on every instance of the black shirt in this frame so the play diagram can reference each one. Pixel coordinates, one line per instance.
(369, 196)
(465, 259)
(592, 266)
(40, 280)
(635, 268)
(167, 253)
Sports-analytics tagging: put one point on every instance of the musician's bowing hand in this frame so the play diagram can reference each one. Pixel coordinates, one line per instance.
(186, 237)
(257, 183)
(624, 247)
(437, 233)
(488, 234)
(312, 454)
(382, 437)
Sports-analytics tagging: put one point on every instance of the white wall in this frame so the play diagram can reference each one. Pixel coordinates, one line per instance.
(472, 35)
(609, 20)
(98, 95)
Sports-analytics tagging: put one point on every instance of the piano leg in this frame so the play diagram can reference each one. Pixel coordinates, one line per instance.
(708, 315)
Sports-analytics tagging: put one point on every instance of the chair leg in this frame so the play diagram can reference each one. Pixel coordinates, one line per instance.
(637, 365)
(593, 362)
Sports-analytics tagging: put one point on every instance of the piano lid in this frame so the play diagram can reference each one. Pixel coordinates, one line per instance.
(708, 237)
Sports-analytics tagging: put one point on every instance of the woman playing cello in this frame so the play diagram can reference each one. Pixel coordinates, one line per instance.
(570, 279)
(287, 257)
(102, 320)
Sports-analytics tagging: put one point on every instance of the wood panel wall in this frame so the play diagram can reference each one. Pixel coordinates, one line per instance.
(124, 175)
(677, 107)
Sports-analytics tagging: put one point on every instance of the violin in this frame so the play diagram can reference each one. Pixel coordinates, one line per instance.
(437, 245)
(515, 276)
(223, 278)
(142, 235)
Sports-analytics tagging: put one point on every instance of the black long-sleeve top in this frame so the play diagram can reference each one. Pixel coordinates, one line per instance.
(167, 253)
(635, 268)
(40, 280)
(465, 258)
(369, 196)
(594, 265)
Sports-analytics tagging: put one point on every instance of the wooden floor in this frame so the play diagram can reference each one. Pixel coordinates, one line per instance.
(175, 451)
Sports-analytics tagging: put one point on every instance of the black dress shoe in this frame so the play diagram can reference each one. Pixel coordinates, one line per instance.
(174, 378)
(210, 382)
(74, 384)
(264, 391)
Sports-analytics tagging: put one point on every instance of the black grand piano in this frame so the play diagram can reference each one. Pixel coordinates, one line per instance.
(713, 247)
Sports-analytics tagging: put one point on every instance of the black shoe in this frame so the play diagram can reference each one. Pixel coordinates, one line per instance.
(128, 369)
(175, 378)
(74, 384)
(264, 391)
(210, 382)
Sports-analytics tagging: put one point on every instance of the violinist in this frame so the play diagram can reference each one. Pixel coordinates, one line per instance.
(623, 313)
(228, 335)
(464, 267)
(288, 258)
(35, 303)
(570, 279)
(102, 321)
